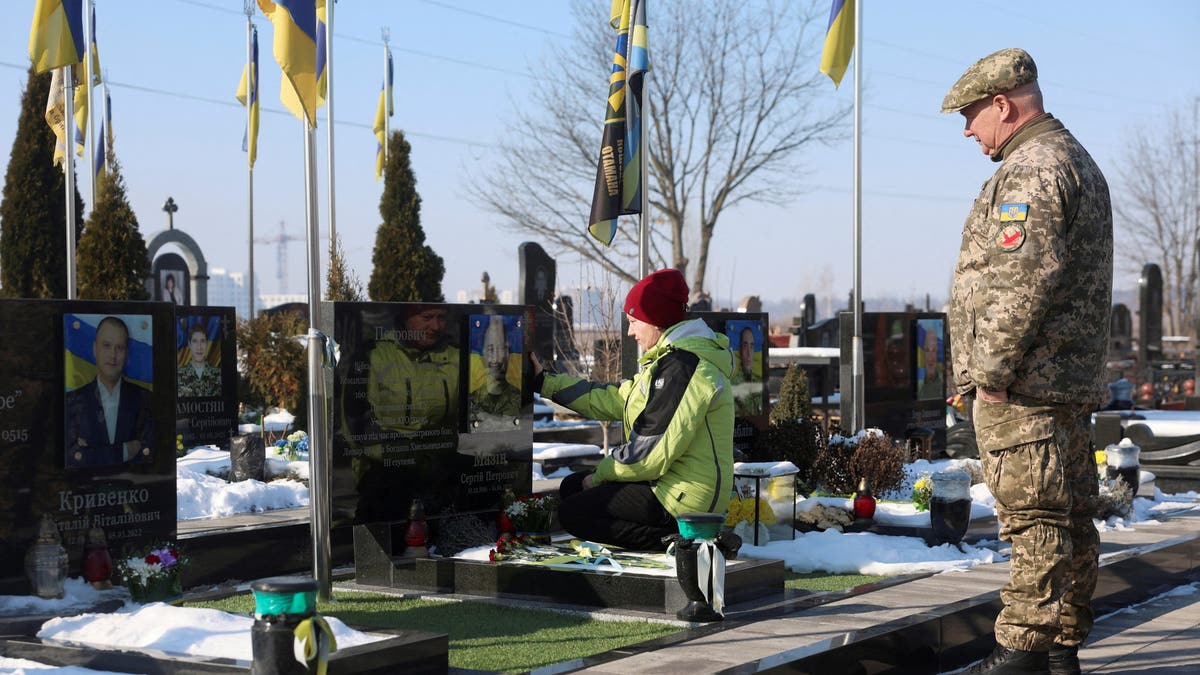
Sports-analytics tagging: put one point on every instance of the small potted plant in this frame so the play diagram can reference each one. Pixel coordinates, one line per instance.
(154, 575)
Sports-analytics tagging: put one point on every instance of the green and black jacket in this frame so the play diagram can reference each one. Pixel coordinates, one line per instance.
(677, 414)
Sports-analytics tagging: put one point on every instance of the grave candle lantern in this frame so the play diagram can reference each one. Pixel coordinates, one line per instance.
(97, 563)
(1123, 463)
(46, 561)
(950, 506)
(416, 536)
(864, 501)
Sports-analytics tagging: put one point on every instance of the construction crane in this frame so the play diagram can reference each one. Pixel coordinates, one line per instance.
(281, 240)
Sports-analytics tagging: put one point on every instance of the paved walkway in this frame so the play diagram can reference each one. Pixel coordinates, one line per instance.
(1160, 636)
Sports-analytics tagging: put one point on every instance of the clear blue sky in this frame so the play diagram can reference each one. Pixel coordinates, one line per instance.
(1106, 68)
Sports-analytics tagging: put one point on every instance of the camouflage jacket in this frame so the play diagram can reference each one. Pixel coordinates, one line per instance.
(1033, 285)
(205, 383)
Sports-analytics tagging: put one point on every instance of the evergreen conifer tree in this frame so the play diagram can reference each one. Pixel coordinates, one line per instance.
(113, 264)
(33, 237)
(405, 268)
(341, 283)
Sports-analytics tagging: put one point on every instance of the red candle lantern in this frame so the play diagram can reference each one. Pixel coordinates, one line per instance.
(416, 536)
(864, 501)
(97, 563)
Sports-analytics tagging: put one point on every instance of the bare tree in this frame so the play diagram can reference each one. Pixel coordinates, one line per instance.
(592, 334)
(734, 99)
(1158, 210)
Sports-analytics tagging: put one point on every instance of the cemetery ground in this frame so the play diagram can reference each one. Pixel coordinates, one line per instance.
(490, 634)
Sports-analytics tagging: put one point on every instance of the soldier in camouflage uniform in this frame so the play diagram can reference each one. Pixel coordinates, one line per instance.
(1029, 325)
(198, 377)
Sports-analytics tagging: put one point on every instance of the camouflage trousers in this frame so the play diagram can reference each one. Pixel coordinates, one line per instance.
(1038, 464)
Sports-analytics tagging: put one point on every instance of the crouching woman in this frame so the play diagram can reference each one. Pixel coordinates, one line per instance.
(677, 415)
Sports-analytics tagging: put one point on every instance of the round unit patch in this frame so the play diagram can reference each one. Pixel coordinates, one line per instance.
(1011, 237)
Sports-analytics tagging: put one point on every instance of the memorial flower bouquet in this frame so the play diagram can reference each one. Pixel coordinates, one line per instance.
(532, 513)
(153, 575)
(922, 492)
(294, 446)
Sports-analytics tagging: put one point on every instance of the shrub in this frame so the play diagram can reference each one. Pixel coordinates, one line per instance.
(274, 363)
(880, 461)
(794, 435)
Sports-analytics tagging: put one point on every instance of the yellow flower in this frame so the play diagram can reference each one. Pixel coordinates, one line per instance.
(734, 515)
(1101, 457)
(766, 515)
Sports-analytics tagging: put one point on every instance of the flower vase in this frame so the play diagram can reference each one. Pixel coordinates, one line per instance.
(159, 588)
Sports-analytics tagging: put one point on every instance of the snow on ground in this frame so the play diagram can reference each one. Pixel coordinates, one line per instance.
(178, 630)
(201, 494)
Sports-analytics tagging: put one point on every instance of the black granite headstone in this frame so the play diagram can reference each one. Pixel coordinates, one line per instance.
(1121, 331)
(408, 391)
(564, 329)
(1150, 307)
(808, 310)
(56, 451)
(904, 371)
(536, 288)
(206, 389)
(747, 333)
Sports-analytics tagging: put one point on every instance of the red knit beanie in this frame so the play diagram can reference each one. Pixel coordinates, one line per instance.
(659, 299)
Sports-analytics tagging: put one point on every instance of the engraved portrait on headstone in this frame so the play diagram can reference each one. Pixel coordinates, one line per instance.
(494, 397)
(108, 377)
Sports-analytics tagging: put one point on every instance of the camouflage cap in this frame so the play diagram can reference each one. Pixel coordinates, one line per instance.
(994, 74)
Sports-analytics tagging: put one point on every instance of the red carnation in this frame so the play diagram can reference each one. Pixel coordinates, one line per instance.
(153, 559)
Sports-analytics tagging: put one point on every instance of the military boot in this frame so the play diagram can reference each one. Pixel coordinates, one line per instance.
(1005, 661)
(1064, 660)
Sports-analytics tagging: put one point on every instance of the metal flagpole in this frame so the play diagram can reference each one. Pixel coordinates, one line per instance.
(387, 35)
(68, 80)
(644, 233)
(318, 457)
(857, 417)
(329, 114)
(251, 91)
(89, 30)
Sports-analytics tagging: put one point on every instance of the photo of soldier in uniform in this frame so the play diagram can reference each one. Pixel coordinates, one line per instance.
(108, 378)
(494, 398)
(931, 368)
(199, 358)
(745, 341)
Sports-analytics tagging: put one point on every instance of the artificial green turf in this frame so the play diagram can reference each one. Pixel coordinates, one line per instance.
(822, 581)
(482, 636)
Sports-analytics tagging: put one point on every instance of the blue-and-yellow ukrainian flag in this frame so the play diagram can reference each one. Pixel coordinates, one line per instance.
(607, 198)
(639, 63)
(839, 40)
(82, 90)
(56, 34)
(299, 47)
(383, 109)
(248, 89)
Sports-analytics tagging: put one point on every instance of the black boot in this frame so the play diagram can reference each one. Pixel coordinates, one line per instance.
(1005, 661)
(1064, 660)
(697, 608)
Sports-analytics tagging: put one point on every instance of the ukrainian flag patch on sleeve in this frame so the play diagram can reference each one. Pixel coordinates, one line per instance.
(1013, 213)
